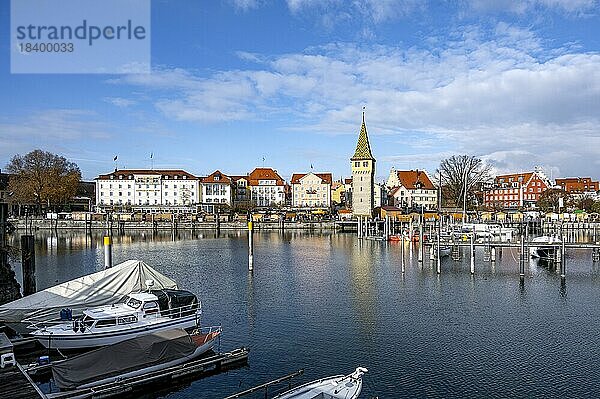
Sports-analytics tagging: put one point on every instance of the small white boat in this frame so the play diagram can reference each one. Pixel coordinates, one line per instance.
(337, 387)
(133, 358)
(544, 246)
(138, 314)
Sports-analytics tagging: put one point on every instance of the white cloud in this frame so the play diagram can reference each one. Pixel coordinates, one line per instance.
(477, 93)
(57, 130)
(245, 5)
(523, 6)
(120, 101)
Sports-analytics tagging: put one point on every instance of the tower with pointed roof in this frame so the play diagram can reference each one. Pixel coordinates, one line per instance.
(363, 174)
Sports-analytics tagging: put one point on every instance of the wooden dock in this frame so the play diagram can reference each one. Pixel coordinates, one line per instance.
(194, 369)
(16, 384)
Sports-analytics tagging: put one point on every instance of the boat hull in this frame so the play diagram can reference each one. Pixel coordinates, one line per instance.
(87, 339)
(337, 387)
(200, 350)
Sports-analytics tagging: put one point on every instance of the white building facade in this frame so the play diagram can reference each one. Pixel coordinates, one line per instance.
(311, 190)
(411, 188)
(267, 188)
(147, 189)
(217, 189)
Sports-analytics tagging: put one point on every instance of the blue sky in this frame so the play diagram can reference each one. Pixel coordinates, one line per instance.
(516, 83)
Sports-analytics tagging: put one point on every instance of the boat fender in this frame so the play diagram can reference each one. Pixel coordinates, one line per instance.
(75, 325)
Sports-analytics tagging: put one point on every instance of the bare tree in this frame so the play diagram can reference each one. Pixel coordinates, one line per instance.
(462, 176)
(43, 178)
(550, 200)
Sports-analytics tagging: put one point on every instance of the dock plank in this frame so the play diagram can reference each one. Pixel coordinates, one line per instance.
(15, 385)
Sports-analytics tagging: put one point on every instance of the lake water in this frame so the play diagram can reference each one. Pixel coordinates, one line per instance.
(328, 303)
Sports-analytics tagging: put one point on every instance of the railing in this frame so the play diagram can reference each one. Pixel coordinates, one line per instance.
(172, 313)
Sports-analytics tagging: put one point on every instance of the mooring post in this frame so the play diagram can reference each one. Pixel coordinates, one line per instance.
(402, 254)
(522, 258)
(3, 229)
(493, 254)
(473, 253)
(28, 264)
(421, 248)
(563, 260)
(250, 248)
(439, 241)
(107, 252)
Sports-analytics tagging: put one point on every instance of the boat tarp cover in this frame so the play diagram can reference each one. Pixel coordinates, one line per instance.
(97, 289)
(123, 357)
(176, 303)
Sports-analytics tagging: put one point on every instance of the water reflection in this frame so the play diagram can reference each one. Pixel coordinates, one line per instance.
(329, 302)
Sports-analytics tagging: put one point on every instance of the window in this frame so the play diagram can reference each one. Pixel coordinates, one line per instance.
(150, 305)
(365, 164)
(106, 323)
(127, 319)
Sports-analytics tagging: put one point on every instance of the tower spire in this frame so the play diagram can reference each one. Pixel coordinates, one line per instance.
(363, 148)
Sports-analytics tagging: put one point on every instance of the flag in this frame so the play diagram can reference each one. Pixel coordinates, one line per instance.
(263, 159)
(115, 158)
(311, 165)
(151, 155)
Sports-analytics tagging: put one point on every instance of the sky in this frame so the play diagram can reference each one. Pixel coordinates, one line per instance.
(239, 84)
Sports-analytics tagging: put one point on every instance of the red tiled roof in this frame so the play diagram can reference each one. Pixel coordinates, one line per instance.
(326, 177)
(220, 178)
(162, 172)
(410, 178)
(264, 174)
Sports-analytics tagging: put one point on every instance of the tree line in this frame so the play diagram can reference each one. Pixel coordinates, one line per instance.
(43, 180)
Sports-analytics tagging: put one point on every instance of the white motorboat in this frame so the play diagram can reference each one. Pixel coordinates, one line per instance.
(98, 289)
(544, 246)
(133, 358)
(138, 314)
(337, 387)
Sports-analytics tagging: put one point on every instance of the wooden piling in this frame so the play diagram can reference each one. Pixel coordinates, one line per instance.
(439, 256)
(402, 254)
(28, 264)
(563, 263)
(522, 258)
(421, 247)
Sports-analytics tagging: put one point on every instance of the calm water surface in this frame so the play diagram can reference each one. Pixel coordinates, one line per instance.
(329, 303)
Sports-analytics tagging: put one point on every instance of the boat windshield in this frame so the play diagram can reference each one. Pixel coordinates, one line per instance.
(133, 303)
(88, 321)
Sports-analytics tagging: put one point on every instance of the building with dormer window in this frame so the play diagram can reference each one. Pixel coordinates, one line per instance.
(266, 188)
(311, 190)
(411, 189)
(517, 190)
(147, 190)
(217, 189)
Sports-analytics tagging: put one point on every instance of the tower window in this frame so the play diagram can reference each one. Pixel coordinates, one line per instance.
(365, 164)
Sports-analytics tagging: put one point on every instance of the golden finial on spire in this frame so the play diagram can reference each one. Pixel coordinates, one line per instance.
(364, 113)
